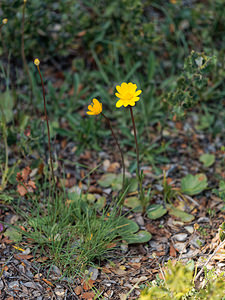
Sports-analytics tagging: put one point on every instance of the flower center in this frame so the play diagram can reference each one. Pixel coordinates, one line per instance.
(128, 96)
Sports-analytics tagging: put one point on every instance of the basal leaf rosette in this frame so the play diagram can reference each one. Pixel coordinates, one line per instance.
(127, 94)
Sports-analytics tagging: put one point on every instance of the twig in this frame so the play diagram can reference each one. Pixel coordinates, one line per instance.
(27, 277)
(208, 260)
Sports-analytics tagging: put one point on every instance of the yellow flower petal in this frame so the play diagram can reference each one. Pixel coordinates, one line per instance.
(123, 87)
(119, 103)
(90, 113)
(138, 93)
(118, 88)
(95, 101)
(132, 87)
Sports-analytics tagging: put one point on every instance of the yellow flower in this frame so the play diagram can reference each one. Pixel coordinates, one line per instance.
(95, 108)
(127, 94)
(5, 21)
(37, 62)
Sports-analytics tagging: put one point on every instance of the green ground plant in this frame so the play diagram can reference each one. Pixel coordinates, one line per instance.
(178, 283)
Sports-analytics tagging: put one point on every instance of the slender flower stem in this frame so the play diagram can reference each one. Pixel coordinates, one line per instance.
(142, 198)
(135, 137)
(118, 145)
(46, 118)
(23, 52)
(2, 39)
(5, 173)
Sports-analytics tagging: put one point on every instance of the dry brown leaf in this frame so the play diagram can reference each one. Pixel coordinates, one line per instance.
(88, 295)
(88, 284)
(25, 256)
(42, 259)
(78, 290)
(21, 190)
(47, 281)
(25, 173)
(173, 251)
(113, 167)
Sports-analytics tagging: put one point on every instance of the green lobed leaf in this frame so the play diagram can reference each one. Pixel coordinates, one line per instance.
(193, 185)
(207, 159)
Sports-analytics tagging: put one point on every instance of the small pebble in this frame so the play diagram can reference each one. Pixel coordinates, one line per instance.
(94, 273)
(14, 285)
(60, 292)
(30, 285)
(203, 220)
(56, 270)
(1, 284)
(197, 242)
(180, 247)
(140, 220)
(189, 229)
(181, 237)
(124, 248)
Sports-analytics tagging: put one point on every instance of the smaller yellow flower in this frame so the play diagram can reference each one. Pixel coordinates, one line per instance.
(127, 94)
(95, 108)
(5, 21)
(37, 62)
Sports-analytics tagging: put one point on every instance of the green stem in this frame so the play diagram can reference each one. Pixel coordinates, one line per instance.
(5, 173)
(118, 145)
(23, 53)
(46, 118)
(138, 166)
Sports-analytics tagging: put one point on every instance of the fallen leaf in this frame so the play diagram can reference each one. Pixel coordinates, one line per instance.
(25, 173)
(78, 290)
(113, 167)
(88, 295)
(42, 259)
(25, 256)
(88, 284)
(48, 282)
(173, 251)
(21, 190)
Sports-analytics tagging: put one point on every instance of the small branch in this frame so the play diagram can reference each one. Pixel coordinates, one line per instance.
(208, 260)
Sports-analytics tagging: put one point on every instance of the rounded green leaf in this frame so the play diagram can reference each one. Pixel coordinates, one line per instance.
(106, 180)
(156, 211)
(182, 215)
(139, 237)
(193, 185)
(133, 203)
(126, 226)
(207, 159)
